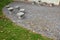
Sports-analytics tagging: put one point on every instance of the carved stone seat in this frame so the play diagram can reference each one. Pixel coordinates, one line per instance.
(17, 7)
(22, 10)
(20, 15)
(10, 8)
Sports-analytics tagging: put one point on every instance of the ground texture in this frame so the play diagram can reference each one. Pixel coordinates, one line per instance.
(41, 19)
(11, 31)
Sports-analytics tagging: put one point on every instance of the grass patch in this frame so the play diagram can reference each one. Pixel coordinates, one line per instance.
(2, 4)
(10, 31)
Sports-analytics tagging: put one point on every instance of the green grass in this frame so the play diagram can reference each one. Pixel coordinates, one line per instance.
(3, 3)
(10, 31)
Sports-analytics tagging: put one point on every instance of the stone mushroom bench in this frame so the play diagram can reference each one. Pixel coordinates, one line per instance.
(10, 9)
(17, 7)
(20, 15)
(22, 10)
(7, 6)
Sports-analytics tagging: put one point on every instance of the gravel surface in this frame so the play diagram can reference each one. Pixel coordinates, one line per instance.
(40, 19)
